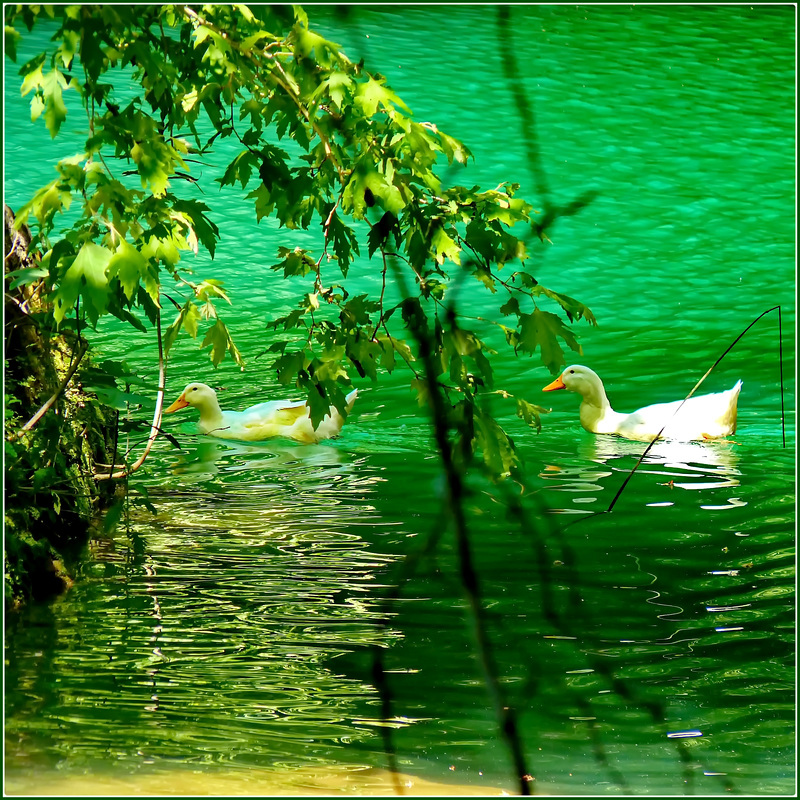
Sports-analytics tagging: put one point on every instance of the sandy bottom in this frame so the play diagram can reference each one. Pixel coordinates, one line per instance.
(347, 781)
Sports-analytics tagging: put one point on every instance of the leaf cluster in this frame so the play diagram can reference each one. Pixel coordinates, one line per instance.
(321, 142)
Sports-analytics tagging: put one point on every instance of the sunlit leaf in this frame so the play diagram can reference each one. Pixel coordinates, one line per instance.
(12, 37)
(86, 277)
(55, 111)
(129, 265)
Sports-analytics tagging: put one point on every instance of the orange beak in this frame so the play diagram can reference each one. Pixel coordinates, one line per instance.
(556, 384)
(177, 405)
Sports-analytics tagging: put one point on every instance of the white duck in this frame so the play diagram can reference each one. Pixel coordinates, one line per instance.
(707, 416)
(291, 418)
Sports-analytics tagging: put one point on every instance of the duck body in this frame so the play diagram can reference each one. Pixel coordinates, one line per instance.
(708, 416)
(289, 419)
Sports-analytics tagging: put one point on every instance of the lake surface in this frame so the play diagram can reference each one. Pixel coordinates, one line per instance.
(225, 645)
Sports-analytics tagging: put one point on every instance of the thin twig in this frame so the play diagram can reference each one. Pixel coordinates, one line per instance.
(380, 299)
(506, 717)
(155, 427)
(696, 386)
(326, 229)
(79, 354)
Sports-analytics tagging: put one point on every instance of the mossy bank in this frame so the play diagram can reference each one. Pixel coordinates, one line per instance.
(52, 500)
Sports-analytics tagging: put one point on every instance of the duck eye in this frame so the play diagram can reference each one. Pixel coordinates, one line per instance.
(193, 389)
(572, 372)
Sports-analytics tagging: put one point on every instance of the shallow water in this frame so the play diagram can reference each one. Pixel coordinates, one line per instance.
(225, 645)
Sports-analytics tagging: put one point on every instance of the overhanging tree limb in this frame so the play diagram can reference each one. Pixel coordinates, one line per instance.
(156, 424)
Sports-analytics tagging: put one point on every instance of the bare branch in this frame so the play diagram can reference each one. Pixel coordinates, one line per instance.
(79, 354)
(156, 424)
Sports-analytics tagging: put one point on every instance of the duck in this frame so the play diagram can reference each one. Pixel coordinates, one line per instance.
(707, 416)
(290, 419)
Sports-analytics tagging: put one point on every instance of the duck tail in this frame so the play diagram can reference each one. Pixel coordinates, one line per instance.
(351, 398)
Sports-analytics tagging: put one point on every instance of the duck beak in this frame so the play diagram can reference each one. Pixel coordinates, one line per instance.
(556, 384)
(177, 405)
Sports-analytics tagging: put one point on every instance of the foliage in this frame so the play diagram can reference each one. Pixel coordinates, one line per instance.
(324, 143)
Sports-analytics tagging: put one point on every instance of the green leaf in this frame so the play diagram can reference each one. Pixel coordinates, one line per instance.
(55, 111)
(205, 230)
(331, 370)
(338, 85)
(445, 247)
(44, 205)
(118, 370)
(11, 39)
(356, 311)
(365, 355)
(574, 309)
(189, 319)
(43, 477)
(69, 47)
(32, 76)
(288, 365)
(318, 402)
(454, 149)
(114, 398)
(379, 233)
(26, 276)
(144, 499)
(345, 242)
(420, 386)
(126, 316)
(113, 516)
(540, 329)
(87, 278)
(372, 94)
(496, 448)
(364, 187)
(128, 265)
(510, 307)
(217, 337)
(155, 162)
(390, 346)
(530, 413)
(37, 107)
(220, 340)
(162, 249)
(295, 262)
(291, 320)
(309, 42)
(240, 169)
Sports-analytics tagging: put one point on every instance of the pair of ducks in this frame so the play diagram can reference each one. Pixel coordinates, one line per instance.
(708, 416)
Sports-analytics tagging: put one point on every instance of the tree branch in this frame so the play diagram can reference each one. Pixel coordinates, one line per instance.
(80, 353)
(155, 427)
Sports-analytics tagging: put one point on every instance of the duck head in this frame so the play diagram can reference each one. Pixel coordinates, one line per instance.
(197, 395)
(579, 379)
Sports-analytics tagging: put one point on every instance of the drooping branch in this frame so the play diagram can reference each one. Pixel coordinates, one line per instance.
(156, 424)
(456, 491)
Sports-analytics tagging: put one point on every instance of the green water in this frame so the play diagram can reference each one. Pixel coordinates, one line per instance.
(231, 634)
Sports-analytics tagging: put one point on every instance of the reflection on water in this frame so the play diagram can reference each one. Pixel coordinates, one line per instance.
(716, 455)
(698, 466)
(210, 631)
(202, 456)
